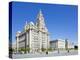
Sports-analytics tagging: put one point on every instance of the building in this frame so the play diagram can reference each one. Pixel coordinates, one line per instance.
(61, 44)
(68, 44)
(34, 36)
(57, 44)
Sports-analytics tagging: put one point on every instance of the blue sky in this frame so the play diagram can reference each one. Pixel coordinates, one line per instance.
(61, 20)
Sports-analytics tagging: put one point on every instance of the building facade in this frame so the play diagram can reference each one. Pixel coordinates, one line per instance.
(69, 45)
(34, 36)
(61, 44)
(57, 44)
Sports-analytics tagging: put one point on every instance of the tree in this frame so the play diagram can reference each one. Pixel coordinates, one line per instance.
(75, 47)
(49, 49)
(28, 49)
(24, 49)
(43, 49)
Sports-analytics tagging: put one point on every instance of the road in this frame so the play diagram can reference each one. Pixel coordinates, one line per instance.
(50, 54)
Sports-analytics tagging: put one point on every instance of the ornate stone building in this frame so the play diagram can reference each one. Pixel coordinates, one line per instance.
(35, 36)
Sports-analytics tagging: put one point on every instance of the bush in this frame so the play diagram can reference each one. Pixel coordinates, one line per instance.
(43, 49)
(49, 49)
(28, 49)
(24, 50)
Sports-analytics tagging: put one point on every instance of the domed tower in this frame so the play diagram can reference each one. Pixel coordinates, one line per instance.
(40, 22)
(42, 31)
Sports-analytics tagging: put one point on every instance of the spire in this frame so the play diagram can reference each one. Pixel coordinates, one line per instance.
(25, 25)
(40, 14)
(40, 11)
(26, 22)
(40, 21)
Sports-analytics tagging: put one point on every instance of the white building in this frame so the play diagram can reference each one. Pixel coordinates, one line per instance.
(61, 44)
(69, 44)
(33, 36)
(57, 44)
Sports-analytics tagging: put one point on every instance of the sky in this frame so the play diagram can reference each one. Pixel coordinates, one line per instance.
(61, 20)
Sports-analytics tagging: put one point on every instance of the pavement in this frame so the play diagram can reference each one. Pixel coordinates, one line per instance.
(50, 54)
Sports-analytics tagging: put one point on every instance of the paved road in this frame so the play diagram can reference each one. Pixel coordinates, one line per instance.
(50, 54)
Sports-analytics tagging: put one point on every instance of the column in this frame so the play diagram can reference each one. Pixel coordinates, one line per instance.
(17, 44)
(30, 40)
(40, 41)
(27, 41)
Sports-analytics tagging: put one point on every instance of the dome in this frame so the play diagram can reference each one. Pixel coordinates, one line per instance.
(17, 34)
(31, 23)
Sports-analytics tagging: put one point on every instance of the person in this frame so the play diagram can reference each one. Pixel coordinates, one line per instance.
(68, 50)
(46, 52)
(58, 50)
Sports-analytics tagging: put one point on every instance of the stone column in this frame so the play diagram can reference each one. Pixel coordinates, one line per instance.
(30, 40)
(27, 41)
(40, 41)
(17, 44)
(17, 41)
(48, 40)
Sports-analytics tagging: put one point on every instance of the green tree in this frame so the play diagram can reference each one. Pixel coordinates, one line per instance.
(43, 49)
(49, 49)
(28, 49)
